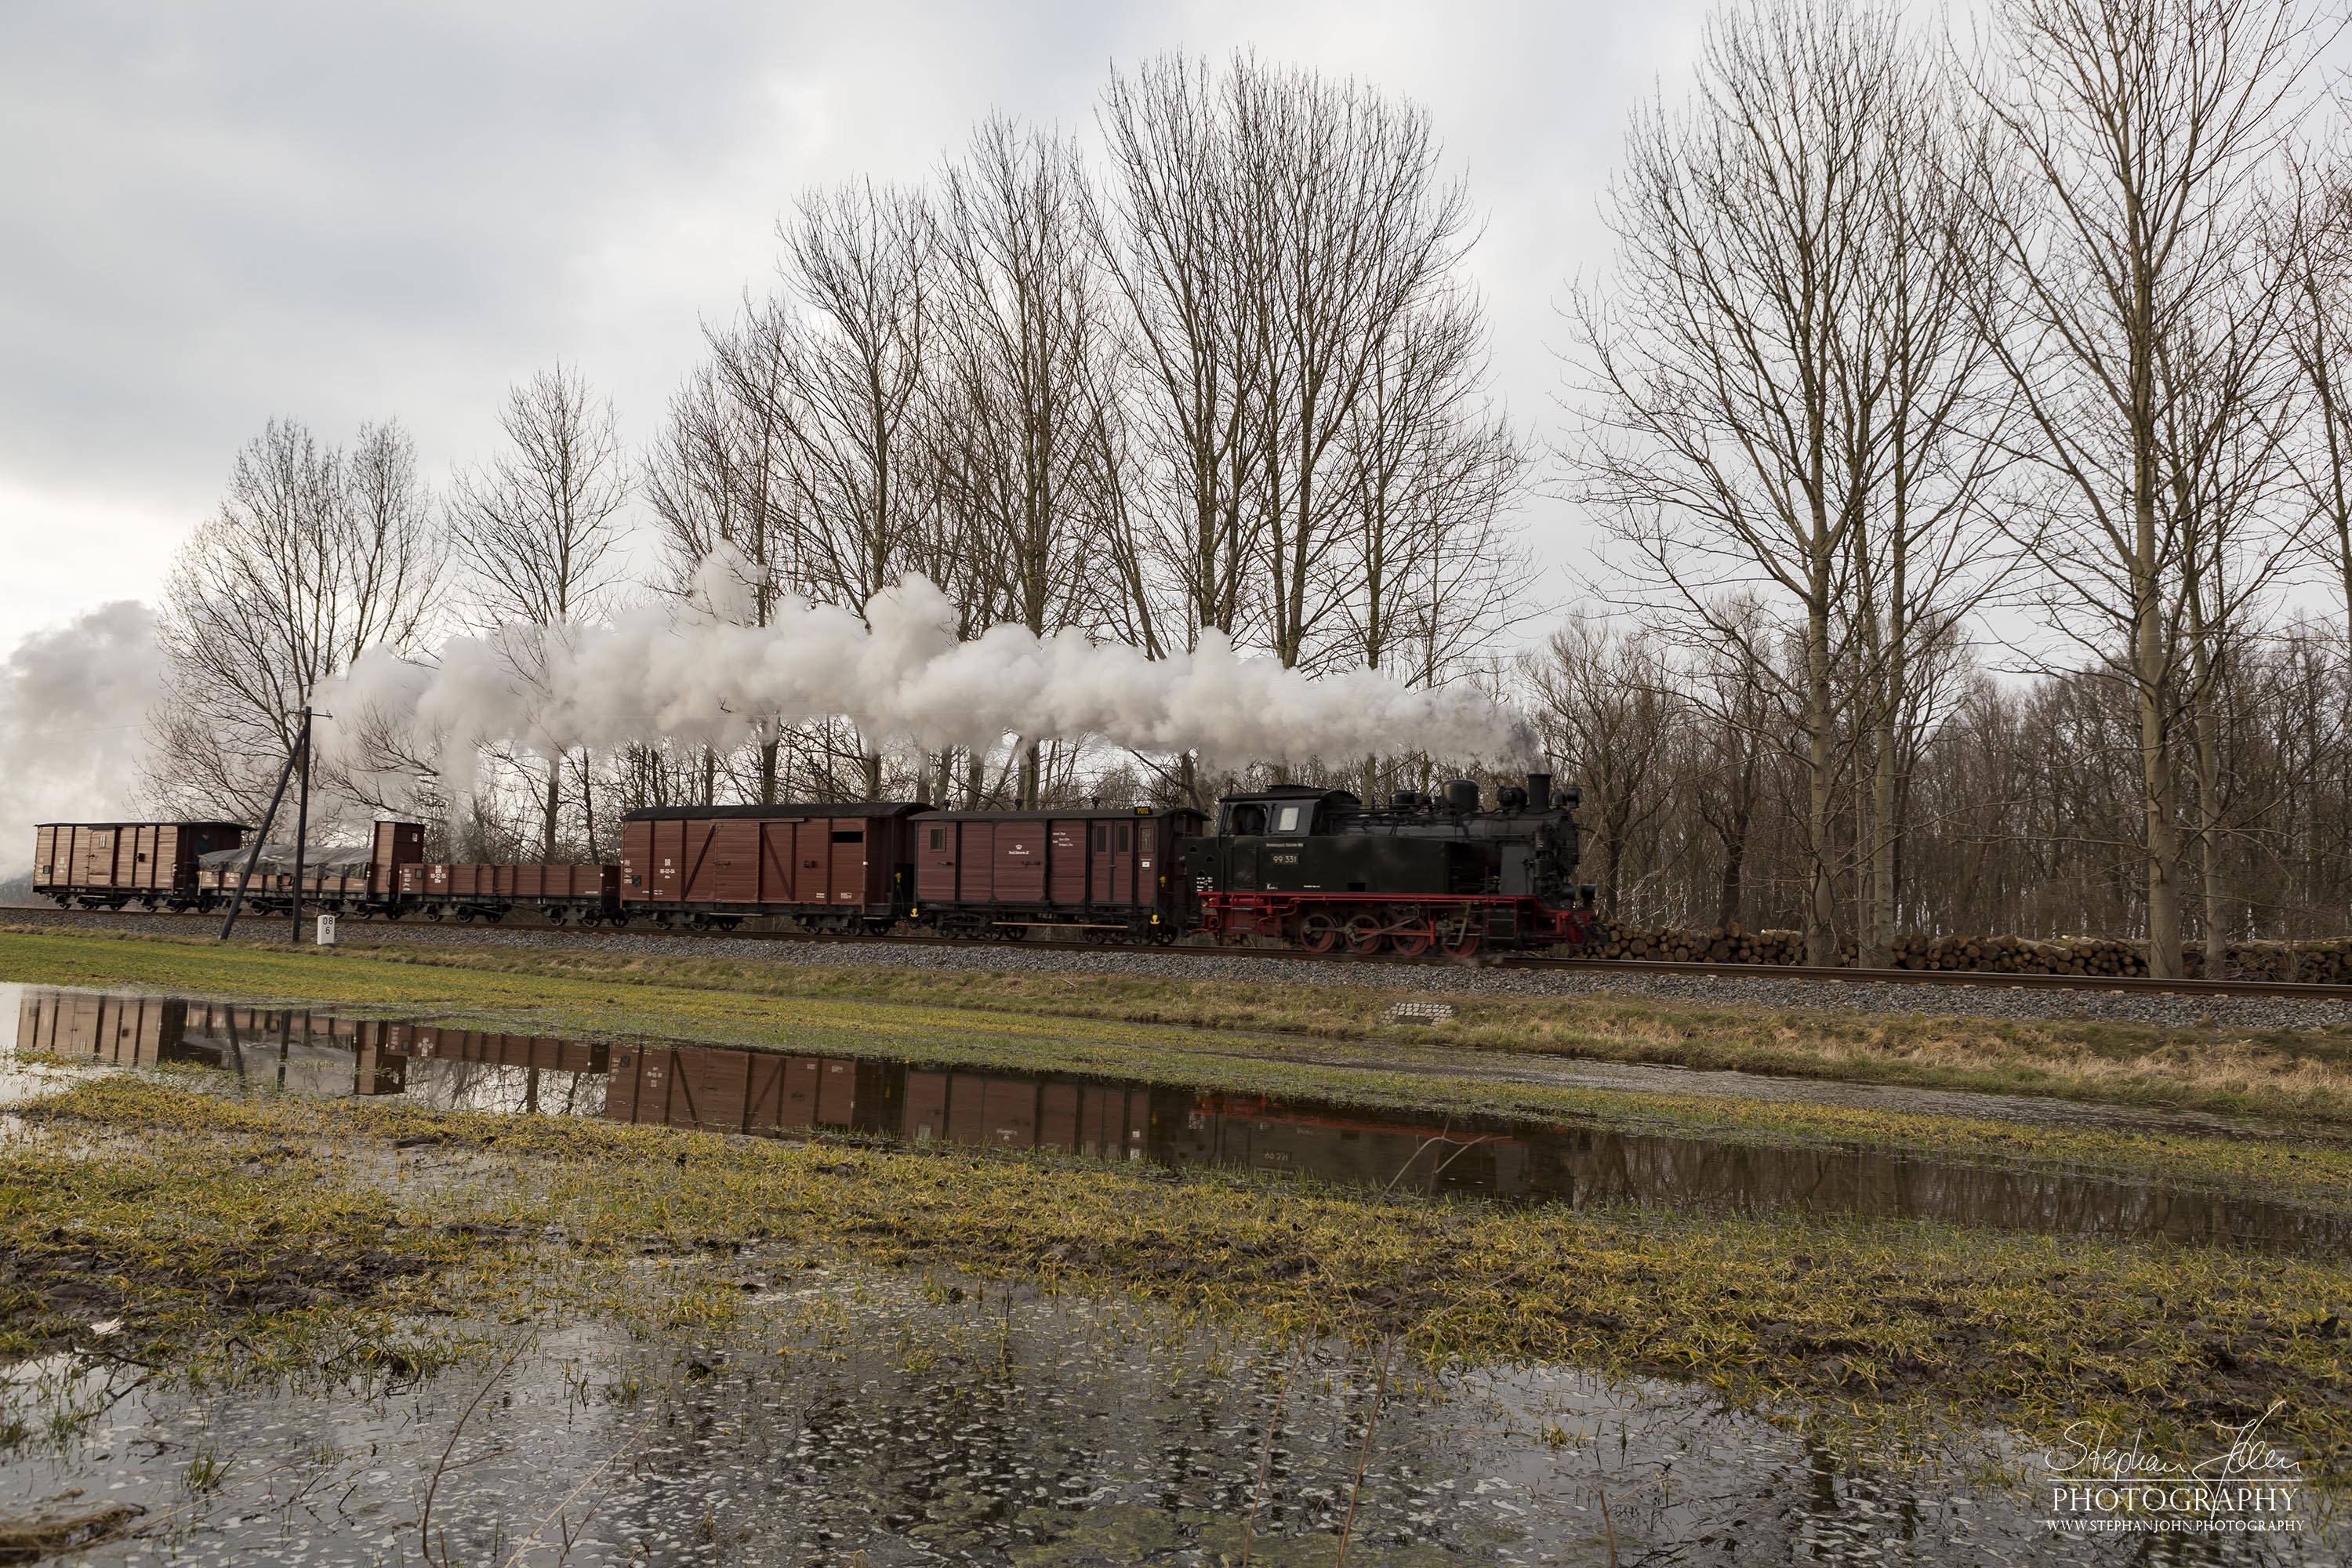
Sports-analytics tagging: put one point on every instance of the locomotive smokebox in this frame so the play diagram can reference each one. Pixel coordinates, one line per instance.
(1462, 796)
(1539, 791)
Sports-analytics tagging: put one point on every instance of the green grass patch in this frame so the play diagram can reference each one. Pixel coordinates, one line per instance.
(175, 1194)
(2305, 1075)
(804, 1008)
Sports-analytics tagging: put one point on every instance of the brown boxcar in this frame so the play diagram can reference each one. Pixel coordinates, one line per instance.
(396, 845)
(470, 889)
(114, 864)
(1110, 873)
(840, 866)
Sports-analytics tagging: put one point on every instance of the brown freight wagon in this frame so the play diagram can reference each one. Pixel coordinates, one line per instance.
(335, 879)
(111, 864)
(841, 867)
(1107, 874)
(466, 890)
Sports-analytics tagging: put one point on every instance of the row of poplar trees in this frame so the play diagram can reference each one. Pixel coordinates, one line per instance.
(1957, 426)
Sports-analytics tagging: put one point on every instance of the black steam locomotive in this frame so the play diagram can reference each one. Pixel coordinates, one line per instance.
(1318, 869)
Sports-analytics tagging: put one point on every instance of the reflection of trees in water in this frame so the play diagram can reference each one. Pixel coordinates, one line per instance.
(503, 1087)
(1586, 1168)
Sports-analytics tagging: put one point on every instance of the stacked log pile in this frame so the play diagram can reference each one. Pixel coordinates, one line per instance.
(2327, 961)
(1680, 944)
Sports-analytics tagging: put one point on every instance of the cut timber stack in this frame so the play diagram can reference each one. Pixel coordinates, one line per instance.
(1719, 944)
(2327, 961)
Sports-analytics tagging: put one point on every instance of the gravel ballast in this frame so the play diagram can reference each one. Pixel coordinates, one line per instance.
(1986, 998)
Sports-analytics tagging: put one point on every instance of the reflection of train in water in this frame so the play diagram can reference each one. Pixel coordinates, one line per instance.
(722, 1090)
(769, 1093)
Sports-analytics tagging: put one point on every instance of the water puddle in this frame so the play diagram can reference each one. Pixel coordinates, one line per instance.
(880, 1419)
(1896, 1100)
(320, 1053)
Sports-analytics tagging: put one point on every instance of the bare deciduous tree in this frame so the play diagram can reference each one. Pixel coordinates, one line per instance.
(1603, 700)
(719, 482)
(538, 525)
(2139, 130)
(1740, 372)
(315, 556)
(1025, 377)
(1315, 467)
(857, 269)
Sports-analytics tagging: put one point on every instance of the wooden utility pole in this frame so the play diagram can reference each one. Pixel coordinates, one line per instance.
(301, 826)
(261, 834)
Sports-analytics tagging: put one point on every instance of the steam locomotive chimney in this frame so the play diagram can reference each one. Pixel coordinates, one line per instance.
(1540, 791)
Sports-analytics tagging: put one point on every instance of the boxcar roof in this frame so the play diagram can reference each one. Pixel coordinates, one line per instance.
(790, 809)
(1106, 812)
(239, 826)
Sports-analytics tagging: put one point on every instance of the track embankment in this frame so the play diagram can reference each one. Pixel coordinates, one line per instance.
(2236, 1005)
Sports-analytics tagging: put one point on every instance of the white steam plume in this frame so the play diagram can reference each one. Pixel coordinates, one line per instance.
(73, 710)
(702, 678)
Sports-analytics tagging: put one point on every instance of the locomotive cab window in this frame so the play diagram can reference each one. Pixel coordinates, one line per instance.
(1249, 820)
(1290, 818)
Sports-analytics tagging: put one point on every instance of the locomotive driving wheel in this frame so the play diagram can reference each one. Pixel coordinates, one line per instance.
(1412, 941)
(1318, 933)
(1364, 935)
(1460, 938)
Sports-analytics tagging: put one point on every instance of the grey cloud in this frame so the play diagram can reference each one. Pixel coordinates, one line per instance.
(221, 214)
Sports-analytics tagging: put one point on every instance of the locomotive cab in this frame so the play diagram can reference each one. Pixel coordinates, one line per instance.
(1289, 811)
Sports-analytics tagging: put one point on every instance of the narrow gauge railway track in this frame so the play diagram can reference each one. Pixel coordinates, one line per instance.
(2124, 983)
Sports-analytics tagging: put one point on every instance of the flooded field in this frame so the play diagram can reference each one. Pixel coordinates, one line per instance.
(883, 1421)
(317, 1052)
(841, 1412)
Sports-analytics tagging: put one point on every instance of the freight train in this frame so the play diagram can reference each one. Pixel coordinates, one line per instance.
(1304, 867)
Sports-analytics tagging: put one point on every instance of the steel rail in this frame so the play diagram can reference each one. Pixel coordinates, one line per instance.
(2126, 983)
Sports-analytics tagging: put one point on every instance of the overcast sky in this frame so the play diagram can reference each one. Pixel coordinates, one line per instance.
(218, 214)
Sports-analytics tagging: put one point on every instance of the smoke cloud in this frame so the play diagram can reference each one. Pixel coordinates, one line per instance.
(74, 701)
(704, 678)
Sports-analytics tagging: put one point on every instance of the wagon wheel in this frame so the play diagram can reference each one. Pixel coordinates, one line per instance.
(1318, 933)
(1364, 935)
